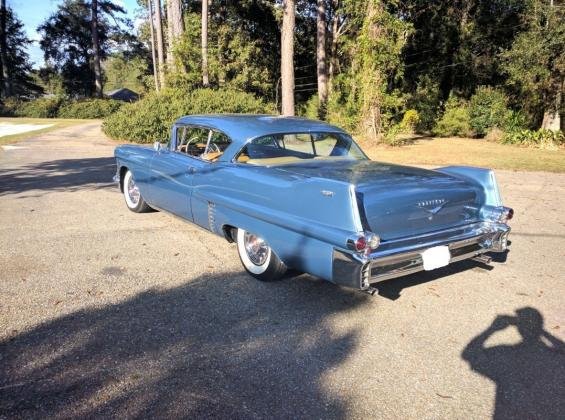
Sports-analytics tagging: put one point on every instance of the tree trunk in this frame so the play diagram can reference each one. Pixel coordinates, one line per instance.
(333, 66)
(552, 118)
(175, 29)
(160, 46)
(5, 87)
(287, 57)
(153, 54)
(321, 59)
(222, 35)
(96, 48)
(205, 79)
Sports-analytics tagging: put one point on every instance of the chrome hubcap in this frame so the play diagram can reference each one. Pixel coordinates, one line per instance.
(256, 248)
(133, 191)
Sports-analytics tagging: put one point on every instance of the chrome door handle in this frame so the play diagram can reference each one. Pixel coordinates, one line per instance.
(191, 170)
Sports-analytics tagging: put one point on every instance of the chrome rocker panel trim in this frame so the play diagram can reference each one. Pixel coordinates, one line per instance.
(401, 257)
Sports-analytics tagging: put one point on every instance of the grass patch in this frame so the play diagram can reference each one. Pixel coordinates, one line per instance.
(471, 152)
(57, 124)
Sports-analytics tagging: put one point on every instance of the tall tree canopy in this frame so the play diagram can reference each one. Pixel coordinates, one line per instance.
(66, 40)
(15, 63)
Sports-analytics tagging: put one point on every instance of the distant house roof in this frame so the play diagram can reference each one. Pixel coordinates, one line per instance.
(123, 94)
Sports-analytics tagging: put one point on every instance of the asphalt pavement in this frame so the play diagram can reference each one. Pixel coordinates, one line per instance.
(107, 313)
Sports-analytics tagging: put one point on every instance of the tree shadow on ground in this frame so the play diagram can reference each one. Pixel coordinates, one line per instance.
(530, 375)
(63, 174)
(218, 346)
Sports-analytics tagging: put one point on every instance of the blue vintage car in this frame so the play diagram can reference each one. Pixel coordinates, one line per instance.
(301, 194)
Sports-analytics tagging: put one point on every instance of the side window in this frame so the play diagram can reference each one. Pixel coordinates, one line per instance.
(201, 143)
(327, 145)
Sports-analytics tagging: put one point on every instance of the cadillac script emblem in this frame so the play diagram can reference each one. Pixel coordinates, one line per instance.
(432, 206)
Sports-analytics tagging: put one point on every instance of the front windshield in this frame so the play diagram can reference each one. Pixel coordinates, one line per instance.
(279, 149)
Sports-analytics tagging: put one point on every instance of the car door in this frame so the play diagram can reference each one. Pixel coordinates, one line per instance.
(172, 173)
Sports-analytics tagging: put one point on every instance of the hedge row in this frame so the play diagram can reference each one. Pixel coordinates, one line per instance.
(150, 118)
(58, 107)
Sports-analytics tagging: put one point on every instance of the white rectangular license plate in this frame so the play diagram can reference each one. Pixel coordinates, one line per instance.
(436, 257)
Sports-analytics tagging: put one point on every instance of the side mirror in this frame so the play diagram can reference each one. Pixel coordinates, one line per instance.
(157, 146)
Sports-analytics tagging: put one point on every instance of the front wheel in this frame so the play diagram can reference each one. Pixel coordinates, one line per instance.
(258, 258)
(134, 200)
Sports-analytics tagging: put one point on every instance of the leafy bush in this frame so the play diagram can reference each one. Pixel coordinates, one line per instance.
(9, 107)
(150, 118)
(426, 100)
(515, 120)
(495, 135)
(454, 121)
(487, 109)
(543, 139)
(311, 109)
(40, 108)
(410, 120)
(89, 108)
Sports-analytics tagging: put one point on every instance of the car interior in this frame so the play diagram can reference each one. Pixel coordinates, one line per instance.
(288, 148)
(201, 143)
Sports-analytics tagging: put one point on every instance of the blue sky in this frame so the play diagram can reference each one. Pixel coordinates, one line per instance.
(33, 12)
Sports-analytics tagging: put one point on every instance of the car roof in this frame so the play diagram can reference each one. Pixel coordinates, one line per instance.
(242, 127)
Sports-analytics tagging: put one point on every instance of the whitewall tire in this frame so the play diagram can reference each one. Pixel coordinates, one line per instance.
(132, 195)
(258, 258)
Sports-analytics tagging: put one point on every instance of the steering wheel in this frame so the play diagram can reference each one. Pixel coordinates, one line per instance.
(192, 140)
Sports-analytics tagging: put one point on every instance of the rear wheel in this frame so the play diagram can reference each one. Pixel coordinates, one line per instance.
(258, 258)
(134, 200)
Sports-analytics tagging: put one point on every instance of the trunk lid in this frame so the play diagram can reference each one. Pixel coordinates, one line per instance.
(397, 201)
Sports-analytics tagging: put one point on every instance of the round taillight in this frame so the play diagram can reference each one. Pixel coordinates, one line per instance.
(360, 243)
(509, 214)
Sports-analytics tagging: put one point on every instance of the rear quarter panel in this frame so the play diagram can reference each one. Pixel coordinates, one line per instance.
(301, 218)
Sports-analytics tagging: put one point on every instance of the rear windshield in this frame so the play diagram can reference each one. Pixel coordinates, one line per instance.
(279, 149)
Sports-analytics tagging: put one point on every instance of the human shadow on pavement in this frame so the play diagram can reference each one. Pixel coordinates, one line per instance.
(63, 174)
(530, 375)
(219, 346)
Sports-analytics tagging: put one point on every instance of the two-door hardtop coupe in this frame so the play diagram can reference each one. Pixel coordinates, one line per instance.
(297, 193)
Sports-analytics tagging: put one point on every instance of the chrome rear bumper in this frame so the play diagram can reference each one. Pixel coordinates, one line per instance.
(403, 256)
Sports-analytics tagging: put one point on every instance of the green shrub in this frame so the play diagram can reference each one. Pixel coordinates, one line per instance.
(150, 118)
(515, 120)
(487, 109)
(426, 100)
(410, 121)
(311, 109)
(89, 108)
(9, 107)
(40, 108)
(543, 139)
(454, 121)
(392, 135)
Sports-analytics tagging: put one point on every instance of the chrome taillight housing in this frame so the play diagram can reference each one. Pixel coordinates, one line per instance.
(498, 214)
(364, 243)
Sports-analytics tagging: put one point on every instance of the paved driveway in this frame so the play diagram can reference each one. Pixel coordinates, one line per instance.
(105, 312)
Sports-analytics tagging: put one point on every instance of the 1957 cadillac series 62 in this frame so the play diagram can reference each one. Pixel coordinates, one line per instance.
(298, 193)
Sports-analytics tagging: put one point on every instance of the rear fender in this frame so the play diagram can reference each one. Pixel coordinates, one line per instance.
(484, 178)
(297, 250)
